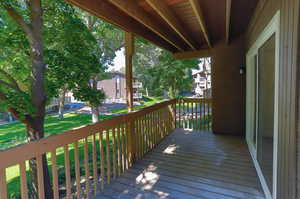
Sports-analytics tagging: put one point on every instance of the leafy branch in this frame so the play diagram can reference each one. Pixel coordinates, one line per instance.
(14, 85)
(18, 18)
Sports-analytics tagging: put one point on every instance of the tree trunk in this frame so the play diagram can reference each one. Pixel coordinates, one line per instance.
(35, 131)
(95, 114)
(61, 104)
(172, 92)
(95, 108)
(10, 118)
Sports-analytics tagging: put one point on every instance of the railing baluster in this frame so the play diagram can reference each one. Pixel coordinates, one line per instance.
(108, 164)
(184, 114)
(3, 186)
(67, 171)
(77, 170)
(86, 167)
(144, 136)
(201, 115)
(140, 138)
(40, 176)
(114, 153)
(136, 139)
(161, 124)
(123, 149)
(153, 127)
(128, 146)
(150, 131)
(157, 126)
(23, 181)
(102, 158)
(210, 115)
(198, 116)
(195, 115)
(95, 167)
(119, 150)
(205, 116)
(54, 174)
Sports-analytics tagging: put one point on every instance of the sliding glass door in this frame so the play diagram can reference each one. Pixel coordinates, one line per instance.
(265, 109)
(262, 111)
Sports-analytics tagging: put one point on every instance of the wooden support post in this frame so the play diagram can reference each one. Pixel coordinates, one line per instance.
(129, 51)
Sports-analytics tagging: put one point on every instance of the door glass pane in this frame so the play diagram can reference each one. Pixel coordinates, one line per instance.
(265, 114)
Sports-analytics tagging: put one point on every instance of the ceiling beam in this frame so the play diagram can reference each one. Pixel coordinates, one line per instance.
(131, 8)
(109, 13)
(228, 16)
(199, 15)
(194, 54)
(172, 20)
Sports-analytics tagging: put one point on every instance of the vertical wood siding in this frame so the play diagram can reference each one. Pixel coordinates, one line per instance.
(298, 130)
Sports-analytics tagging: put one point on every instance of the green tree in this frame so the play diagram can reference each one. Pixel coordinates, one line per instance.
(25, 100)
(160, 73)
(74, 58)
(109, 41)
(45, 48)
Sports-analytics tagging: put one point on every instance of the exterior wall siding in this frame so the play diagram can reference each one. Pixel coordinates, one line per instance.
(298, 119)
(228, 88)
(288, 154)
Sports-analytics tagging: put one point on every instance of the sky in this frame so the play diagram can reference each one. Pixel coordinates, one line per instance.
(119, 61)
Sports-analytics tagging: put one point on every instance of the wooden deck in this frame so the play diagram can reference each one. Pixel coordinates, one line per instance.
(190, 165)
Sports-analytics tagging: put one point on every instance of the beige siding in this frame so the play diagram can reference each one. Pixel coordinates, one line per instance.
(266, 9)
(298, 129)
(287, 144)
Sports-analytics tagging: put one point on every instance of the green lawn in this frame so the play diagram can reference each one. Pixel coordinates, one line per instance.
(15, 134)
(147, 102)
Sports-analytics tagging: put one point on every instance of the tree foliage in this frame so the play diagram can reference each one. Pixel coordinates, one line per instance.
(160, 73)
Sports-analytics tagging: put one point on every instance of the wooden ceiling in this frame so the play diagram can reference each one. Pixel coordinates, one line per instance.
(176, 25)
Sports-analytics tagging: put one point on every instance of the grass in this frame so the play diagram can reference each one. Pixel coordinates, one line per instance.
(15, 134)
(147, 101)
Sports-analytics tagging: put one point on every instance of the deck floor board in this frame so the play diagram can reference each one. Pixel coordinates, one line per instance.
(189, 165)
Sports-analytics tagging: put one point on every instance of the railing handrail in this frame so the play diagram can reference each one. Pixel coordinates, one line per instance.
(196, 100)
(24, 152)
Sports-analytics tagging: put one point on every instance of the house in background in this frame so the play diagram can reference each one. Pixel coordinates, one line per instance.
(115, 88)
(202, 79)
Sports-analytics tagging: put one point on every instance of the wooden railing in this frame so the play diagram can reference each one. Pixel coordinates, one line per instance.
(89, 156)
(194, 113)
(83, 161)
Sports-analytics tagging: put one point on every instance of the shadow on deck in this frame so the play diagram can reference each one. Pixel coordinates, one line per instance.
(190, 165)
